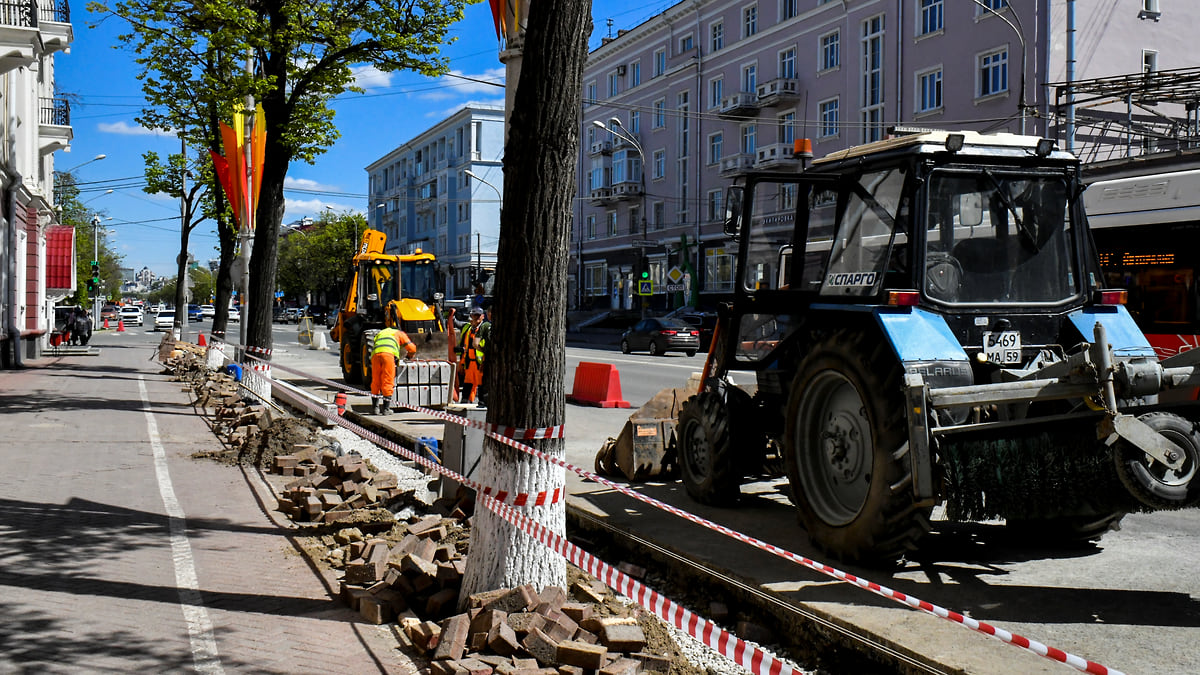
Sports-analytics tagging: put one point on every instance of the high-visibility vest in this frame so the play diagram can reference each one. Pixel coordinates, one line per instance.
(471, 361)
(389, 340)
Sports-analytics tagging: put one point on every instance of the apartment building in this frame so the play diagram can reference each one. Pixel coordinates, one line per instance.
(37, 255)
(677, 106)
(423, 197)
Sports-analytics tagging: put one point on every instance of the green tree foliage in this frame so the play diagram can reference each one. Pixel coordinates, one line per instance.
(76, 214)
(315, 258)
(302, 55)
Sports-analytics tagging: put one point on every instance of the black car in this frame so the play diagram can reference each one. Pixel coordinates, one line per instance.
(319, 313)
(661, 335)
(705, 323)
(279, 314)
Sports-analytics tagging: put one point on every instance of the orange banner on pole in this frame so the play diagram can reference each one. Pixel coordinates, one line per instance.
(241, 183)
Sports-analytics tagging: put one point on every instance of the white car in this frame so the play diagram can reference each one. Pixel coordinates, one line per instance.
(165, 320)
(235, 315)
(132, 314)
(207, 311)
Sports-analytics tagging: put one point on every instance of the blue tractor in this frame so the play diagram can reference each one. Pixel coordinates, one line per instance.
(919, 322)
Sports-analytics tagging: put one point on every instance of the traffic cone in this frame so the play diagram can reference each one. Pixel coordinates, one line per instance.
(202, 343)
(340, 401)
(120, 325)
(106, 324)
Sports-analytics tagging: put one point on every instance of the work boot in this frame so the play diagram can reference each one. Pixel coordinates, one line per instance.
(375, 401)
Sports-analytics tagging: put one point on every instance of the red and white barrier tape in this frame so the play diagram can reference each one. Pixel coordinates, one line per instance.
(1034, 646)
(757, 660)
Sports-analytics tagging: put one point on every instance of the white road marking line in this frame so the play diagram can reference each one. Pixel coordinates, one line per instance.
(200, 630)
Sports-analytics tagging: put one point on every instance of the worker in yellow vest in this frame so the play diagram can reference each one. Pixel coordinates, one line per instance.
(470, 352)
(384, 357)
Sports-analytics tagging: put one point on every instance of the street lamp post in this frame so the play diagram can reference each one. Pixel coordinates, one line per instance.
(478, 245)
(617, 129)
(97, 158)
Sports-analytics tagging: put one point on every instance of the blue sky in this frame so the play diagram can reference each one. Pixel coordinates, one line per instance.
(106, 97)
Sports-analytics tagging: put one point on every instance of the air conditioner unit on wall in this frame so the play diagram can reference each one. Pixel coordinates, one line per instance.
(620, 70)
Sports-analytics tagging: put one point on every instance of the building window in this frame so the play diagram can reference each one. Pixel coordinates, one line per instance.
(787, 64)
(749, 136)
(828, 112)
(714, 206)
(635, 122)
(931, 19)
(929, 90)
(787, 128)
(612, 223)
(660, 118)
(682, 106)
(994, 5)
(660, 164)
(716, 89)
(614, 83)
(591, 227)
(685, 43)
(1149, 61)
(830, 50)
(787, 9)
(635, 220)
(993, 73)
(749, 21)
(660, 215)
(750, 77)
(660, 62)
(716, 35)
(682, 178)
(718, 270)
(872, 79)
(591, 93)
(715, 143)
(595, 280)
(635, 74)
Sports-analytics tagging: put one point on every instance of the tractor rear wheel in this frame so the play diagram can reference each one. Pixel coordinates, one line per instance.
(846, 452)
(710, 471)
(350, 373)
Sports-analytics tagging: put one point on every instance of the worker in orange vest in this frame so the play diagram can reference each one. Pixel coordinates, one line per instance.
(384, 357)
(470, 352)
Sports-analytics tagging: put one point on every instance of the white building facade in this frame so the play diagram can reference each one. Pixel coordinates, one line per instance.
(37, 122)
(422, 197)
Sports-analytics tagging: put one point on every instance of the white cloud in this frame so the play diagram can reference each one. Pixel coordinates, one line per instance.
(446, 112)
(457, 86)
(125, 129)
(369, 77)
(298, 208)
(290, 183)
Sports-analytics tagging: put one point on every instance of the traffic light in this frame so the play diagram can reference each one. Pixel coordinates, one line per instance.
(94, 282)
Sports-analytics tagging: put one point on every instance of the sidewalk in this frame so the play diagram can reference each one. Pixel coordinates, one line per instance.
(119, 552)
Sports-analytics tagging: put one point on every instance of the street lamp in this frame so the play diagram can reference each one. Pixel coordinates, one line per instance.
(478, 245)
(96, 270)
(617, 129)
(97, 158)
(106, 192)
(1019, 30)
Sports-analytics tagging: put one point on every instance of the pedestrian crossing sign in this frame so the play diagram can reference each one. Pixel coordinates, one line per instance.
(645, 287)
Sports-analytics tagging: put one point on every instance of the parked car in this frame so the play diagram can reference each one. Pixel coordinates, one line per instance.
(319, 313)
(110, 313)
(194, 315)
(279, 315)
(164, 320)
(661, 335)
(291, 315)
(235, 315)
(132, 315)
(208, 311)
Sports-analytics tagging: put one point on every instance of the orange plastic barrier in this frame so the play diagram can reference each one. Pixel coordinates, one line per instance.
(597, 384)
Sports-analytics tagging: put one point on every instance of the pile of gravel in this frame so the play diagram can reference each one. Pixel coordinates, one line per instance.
(351, 444)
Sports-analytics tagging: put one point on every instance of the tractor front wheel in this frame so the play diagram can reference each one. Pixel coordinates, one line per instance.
(710, 471)
(350, 372)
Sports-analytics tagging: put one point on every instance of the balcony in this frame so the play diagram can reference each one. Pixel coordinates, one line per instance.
(601, 148)
(54, 124)
(626, 190)
(776, 156)
(778, 91)
(19, 34)
(739, 163)
(600, 196)
(740, 104)
(54, 21)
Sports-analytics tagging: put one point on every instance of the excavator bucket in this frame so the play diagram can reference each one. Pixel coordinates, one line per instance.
(430, 345)
(645, 448)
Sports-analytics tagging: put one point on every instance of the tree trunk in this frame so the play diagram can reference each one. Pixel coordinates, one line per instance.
(265, 255)
(526, 354)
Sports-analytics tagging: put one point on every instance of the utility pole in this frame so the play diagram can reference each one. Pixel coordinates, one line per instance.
(96, 261)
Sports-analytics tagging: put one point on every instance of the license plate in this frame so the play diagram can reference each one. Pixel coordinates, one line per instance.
(1003, 347)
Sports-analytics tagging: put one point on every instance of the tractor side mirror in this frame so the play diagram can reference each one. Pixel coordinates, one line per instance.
(733, 210)
(970, 209)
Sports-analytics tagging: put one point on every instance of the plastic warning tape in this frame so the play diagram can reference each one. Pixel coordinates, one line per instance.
(1022, 642)
(257, 350)
(755, 659)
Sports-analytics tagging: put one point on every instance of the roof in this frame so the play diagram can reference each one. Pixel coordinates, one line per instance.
(935, 141)
(60, 258)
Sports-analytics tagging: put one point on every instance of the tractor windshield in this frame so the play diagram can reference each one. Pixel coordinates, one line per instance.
(417, 280)
(379, 287)
(998, 237)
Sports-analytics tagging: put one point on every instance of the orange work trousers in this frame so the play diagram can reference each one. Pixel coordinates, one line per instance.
(383, 374)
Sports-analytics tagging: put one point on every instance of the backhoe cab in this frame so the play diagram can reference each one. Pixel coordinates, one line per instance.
(923, 321)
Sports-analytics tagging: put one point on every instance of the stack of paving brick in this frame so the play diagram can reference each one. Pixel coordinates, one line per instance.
(329, 488)
(238, 421)
(215, 390)
(522, 632)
